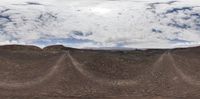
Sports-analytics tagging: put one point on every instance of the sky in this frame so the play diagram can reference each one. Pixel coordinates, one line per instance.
(101, 23)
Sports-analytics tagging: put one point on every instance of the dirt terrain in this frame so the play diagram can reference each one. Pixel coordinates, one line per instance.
(57, 72)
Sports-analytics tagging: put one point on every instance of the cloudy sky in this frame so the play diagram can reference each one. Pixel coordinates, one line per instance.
(101, 23)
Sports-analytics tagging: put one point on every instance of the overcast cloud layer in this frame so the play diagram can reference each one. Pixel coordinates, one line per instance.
(101, 23)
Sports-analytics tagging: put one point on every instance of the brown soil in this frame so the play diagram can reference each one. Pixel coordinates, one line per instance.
(58, 72)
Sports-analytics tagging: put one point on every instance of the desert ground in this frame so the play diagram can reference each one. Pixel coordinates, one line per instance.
(58, 72)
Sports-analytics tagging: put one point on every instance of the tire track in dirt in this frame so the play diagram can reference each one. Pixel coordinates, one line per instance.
(104, 81)
(185, 77)
(17, 85)
(158, 62)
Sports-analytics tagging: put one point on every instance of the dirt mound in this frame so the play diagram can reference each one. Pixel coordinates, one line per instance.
(59, 72)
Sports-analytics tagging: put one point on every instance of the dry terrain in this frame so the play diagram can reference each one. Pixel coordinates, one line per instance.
(57, 72)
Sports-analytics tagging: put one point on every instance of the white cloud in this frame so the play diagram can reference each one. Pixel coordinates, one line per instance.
(101, 23)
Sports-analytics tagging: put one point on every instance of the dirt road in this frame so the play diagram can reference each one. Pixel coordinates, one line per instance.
(90, 74)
